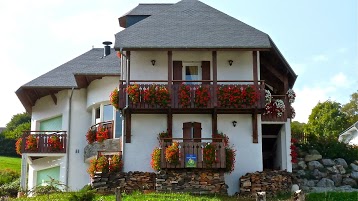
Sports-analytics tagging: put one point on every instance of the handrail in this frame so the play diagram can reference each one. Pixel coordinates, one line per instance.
(42, 142)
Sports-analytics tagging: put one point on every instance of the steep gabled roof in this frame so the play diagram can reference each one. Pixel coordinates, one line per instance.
(190, 24)
(89, 66)
(148, 9)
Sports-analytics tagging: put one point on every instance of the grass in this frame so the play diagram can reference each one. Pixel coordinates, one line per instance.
(333, 196)
(12, 163)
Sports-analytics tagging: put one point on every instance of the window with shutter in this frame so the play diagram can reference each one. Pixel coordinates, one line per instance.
(205, 69)
(192, 130)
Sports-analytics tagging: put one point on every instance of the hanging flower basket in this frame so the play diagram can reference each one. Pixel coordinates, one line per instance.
(291, 96)
(31, 143)
(202, 96)
(18, 146)
(156, 95)
(209, 155)
(114, 98)
(155, 159)
(133, 93)
(102, 134)
(276, 107)
(91, 136)
(236, 96)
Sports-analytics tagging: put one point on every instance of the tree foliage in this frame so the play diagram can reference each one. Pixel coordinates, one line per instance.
(17, 125)
(297, 127)
(326, 119)
(351, 108)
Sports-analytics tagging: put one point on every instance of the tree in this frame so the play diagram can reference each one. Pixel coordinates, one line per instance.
(351, 108)
(326, 119)
(18, 123)
(297, 127)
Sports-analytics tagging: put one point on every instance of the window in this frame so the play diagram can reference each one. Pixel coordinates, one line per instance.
(53, 124)
(192, 72)
(103, 113)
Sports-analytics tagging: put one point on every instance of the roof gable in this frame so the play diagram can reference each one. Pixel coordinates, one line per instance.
(191, 24)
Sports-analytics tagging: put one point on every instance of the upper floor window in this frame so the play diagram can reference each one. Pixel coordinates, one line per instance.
(104, 112)
(192, 72)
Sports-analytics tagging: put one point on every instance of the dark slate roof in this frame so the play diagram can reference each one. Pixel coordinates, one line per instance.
(91, 62)
(191, 24)
(147, 9)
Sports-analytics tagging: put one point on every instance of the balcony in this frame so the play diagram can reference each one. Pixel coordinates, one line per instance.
(44, 142)
(195, 149)
(226, 97)
(275, 117)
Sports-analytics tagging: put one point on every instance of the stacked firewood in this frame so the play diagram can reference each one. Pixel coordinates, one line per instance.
(272, 182)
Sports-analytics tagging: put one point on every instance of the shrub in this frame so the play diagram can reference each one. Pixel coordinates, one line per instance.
(10, 189)
(8, 175)
(330, 147)
(82, 196)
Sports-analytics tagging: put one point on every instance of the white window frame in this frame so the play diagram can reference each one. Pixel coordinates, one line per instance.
(193, 63)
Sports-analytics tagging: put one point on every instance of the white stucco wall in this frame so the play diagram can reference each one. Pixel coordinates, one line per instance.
(142, 69)
(45, 163)
(145, 129)
(248, 154)
(99, 90)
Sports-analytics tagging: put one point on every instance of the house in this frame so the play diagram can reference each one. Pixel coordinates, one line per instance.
(66, 102)
(184, 69)
(192, 48)
(350, 136)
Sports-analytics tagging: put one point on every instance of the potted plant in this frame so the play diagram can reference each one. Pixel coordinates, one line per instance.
(156, 95)
(116, 164)
(184, 95)
(18, 145)
(291, 96)
(114, 98)
(172, 153)
(91, 135)
(54, 143)
(155, 159)
(133, 92)
(102, 134)
(209, 155)
(202, 96)
(31, 143)
(276, 107)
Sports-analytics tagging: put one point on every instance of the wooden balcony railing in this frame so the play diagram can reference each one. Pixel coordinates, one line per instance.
(107, 125)
(216, 95)
(194, 149)
(44, 142)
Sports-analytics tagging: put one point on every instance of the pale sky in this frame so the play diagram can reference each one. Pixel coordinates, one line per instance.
(318, 39)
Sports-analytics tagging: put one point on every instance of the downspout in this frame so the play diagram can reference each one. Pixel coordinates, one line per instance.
(126, 107)
(68, 137)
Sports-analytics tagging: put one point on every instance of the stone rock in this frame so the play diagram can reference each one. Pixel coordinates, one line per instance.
(337, 178)
(309, 183)
(355, 162)
(341, 161)
(337, 169)
(302, 165)
(354, 175)
(354, 167)
(301, 173)
(295, 188)
(318, 174)
(294, 166)
(314, 152)
(314, 165)
(328, 162)
(311, 157)
(349, 181)
(324, 182)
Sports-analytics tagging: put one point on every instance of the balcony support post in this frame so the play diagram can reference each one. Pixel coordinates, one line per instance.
(215, 78)
(255, 70)
(214, 123)
(128, 54)
(254, 128)
(287, 104)
(128, 118)
(170, 123)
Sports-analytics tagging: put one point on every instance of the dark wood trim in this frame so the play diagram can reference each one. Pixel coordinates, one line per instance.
(254, 128)
(255, 74)
(272, 69)
(195, 49)
(128, 126)
(215, 77)
(214, 122)
(287, 104)
(53, 96)
(170, 75)
(170, 123)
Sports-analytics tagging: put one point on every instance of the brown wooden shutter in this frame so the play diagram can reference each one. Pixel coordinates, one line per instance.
(205, 70)
(177, 70)
(197, 131)
(187, 131)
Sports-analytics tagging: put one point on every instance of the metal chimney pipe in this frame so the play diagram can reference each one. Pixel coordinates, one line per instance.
(107, 48)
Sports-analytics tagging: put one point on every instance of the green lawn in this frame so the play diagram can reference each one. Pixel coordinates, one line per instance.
(10, 163)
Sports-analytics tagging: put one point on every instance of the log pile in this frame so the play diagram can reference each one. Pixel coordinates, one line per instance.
(129, 182)
(272, 182)
(192, 181)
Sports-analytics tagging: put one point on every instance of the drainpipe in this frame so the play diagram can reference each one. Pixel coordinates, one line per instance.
(68, 137)
(124, 58)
